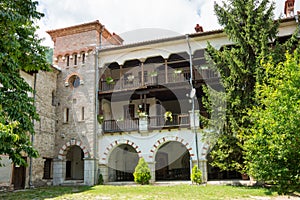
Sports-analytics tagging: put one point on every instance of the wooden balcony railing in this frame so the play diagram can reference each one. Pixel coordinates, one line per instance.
(119, 84)
(154, 122)
(160, 78)
(120, 125)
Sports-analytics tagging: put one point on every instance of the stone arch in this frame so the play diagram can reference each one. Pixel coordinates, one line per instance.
(63, 150)
(204, 151)
(73, 74)
(115, 144)
(166, 139)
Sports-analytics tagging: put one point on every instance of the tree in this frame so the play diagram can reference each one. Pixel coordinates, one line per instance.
(250, 25)
(142, 172)
(20, 50)
(272, 151)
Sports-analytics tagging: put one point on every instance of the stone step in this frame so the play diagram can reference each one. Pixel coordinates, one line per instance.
(73, 183)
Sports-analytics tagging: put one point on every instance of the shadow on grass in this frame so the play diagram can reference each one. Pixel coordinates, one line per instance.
(268, 191)
(44, 192)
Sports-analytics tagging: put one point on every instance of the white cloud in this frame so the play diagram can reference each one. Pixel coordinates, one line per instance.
(178, 16)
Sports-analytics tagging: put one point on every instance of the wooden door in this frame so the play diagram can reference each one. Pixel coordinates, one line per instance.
(19, 176)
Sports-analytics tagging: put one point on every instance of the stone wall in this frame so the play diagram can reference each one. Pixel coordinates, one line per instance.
(5, 172)
(44, 138)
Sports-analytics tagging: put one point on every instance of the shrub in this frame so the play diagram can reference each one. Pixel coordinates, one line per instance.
(196, 176)
(100, 179)
(142, 172)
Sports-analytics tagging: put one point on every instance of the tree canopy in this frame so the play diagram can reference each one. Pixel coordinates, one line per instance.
(250, 25)
(20, 50)
(272, 149)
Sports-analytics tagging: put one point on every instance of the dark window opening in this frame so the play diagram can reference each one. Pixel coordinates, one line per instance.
(83, 58)
(47, 168)
(66, 117)
(82, 113)
(68, 61)
(75, 59)
(53, 98)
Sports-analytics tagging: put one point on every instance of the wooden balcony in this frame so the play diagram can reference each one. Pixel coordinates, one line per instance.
(154, 122)
(160, 78)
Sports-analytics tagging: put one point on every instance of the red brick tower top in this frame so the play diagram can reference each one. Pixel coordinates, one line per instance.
(82, 37)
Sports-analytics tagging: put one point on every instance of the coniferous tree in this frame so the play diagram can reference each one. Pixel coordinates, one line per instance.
(20, 50)
(250, 25)
(142, 173)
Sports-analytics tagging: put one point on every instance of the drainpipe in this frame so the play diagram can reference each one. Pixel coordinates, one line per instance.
(97, 99)
(193, 98)
(32, 135)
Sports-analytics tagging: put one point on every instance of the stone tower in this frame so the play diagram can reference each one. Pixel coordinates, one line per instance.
(76, 103)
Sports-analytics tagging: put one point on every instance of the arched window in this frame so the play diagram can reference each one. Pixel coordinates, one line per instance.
(83, 58)
(74, 81)
(66, 115)
(75, 59)
(68, 60)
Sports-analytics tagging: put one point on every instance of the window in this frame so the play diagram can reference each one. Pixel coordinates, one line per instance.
(53, 98)
(128, 111)
(47, 168)
(83, 58)
(145, 77)
(68, 60)
(66, 115)
(75, 59)
(74, 81)
(82, 113)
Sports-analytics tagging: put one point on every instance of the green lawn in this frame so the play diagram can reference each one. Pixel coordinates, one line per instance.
(140, 192)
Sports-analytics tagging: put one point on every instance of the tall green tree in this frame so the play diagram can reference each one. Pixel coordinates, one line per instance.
(20, 50)
(273, 148)
(250, 25)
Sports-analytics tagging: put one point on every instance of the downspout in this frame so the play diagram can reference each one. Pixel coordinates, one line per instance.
(32, 135)
(97, 100)
(193, 98)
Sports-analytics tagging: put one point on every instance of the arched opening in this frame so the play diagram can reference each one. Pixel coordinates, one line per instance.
(172, 162)
(75, 163)
(122, 162)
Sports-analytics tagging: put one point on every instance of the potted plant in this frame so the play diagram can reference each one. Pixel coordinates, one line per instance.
(142, 114)
(130, 78)
(177, 71)
(100, 119)
(168, 116)
(153, 74)
(109, 80)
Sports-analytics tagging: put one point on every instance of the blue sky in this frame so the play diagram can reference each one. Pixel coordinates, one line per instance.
(151, 19)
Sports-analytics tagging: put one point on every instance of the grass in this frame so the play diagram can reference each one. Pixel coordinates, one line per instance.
(209, 192)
